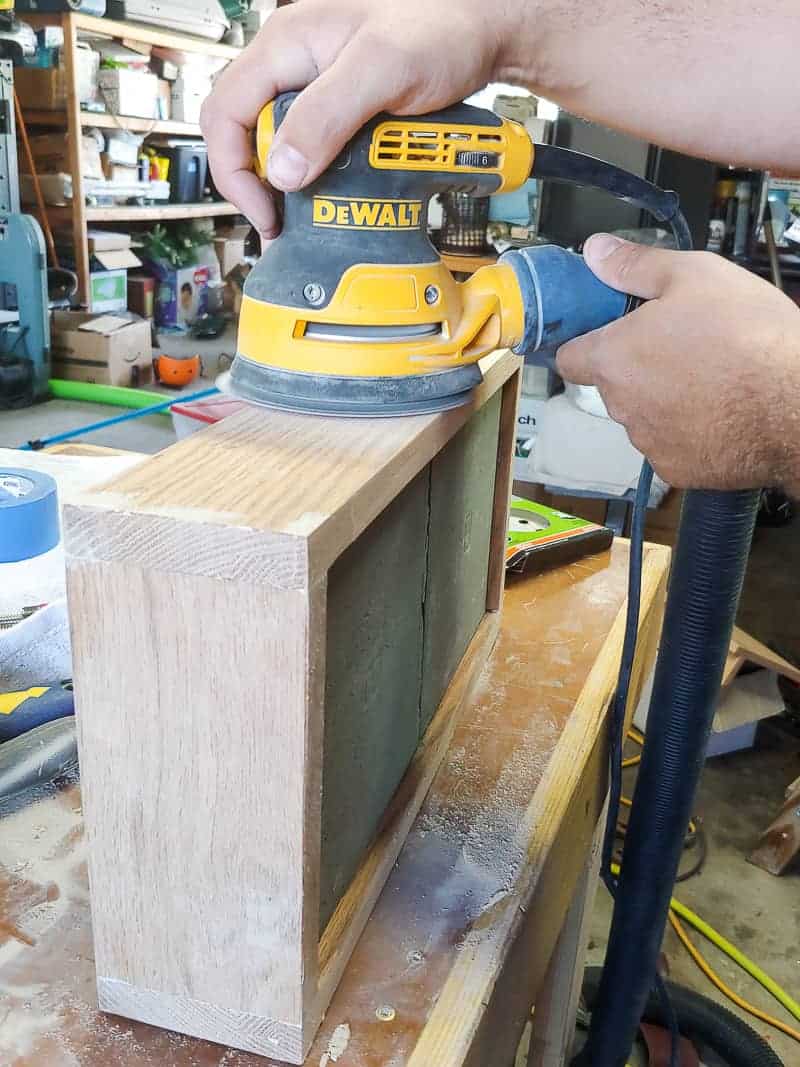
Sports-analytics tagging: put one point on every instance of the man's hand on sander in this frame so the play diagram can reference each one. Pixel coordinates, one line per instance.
(623, 63)
(662, 72)
(356, 58)
(705, 376)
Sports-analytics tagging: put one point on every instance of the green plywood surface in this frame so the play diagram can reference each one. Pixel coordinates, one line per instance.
(403, 604)
(462, 500)
(373, 663)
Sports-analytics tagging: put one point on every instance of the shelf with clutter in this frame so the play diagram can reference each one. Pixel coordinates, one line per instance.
(112, 139)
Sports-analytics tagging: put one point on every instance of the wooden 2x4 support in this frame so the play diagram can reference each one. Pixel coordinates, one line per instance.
(275, 623)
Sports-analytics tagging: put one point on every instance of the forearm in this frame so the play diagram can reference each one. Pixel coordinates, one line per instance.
(712, 81)
(687, 74)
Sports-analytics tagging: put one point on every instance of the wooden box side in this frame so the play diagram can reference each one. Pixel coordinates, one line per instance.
(193, 695)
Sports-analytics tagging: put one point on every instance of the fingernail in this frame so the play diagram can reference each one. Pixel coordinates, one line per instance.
(267, 232)
(601, 246)
(267, 237)
(286, 167)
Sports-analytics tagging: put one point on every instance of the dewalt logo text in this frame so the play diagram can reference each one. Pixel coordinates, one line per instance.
(348, 213)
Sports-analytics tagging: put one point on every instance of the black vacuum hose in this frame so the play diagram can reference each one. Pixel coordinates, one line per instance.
(702, 1021)
(705, 583)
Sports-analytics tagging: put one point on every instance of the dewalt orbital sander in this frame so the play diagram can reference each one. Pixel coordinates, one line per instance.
(351, 311)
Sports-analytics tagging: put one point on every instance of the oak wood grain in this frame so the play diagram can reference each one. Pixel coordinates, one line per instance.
(457, 1029)
(196, 829)
(323, 480)
(503, 479)
(557, 1003)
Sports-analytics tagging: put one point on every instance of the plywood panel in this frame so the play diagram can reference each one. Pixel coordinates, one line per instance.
(462, 502)
(373, 682)
(404, 602)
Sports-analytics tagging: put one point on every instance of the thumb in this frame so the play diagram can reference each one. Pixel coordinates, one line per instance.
(640, 270)
(325, 116)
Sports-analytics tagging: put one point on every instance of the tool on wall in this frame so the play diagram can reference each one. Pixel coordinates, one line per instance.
(24, 315)
(351, 312)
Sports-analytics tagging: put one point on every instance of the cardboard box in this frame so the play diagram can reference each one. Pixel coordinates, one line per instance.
(188, 95)
(119, 173)
(181, 295)
(233, 291)
(56, 189)
(108, 285)
(46, 89)
(142, 295)
(108, 290)
(51, 155)
(529, 410)
(230, 252)
(129, 92)
(740, 707)
(117, 259)
(234, 229)
(107, 240)
(164, 68)
(110, 350)
(164, 99)
(123, 147)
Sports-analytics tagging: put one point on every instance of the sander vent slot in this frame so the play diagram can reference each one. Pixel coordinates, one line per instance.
(437, 148)
(337, 331)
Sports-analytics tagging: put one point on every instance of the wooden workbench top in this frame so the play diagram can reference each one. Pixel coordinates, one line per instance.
(460, 938)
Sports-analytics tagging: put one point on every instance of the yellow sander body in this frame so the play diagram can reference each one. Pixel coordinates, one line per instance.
(351, 310)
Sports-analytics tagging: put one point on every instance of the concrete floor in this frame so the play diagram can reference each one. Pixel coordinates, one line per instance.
(149, 433)
(739, 793)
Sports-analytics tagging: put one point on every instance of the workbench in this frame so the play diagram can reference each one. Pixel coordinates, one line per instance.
(484, 913)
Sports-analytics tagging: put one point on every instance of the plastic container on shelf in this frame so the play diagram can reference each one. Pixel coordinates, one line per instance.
(188, 171)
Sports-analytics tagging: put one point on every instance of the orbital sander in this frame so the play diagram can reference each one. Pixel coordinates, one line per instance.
(351, 311)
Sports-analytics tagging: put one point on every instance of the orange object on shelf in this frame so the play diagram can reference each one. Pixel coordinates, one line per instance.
(177, 371)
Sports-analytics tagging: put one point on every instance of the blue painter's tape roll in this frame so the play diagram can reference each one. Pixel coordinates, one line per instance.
(28, 514)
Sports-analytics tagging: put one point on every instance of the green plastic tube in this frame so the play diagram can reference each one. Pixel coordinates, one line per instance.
(118, 396)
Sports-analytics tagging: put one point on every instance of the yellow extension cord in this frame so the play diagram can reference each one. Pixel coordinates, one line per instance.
(712, 976)
(737, 956)
(677, 909)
